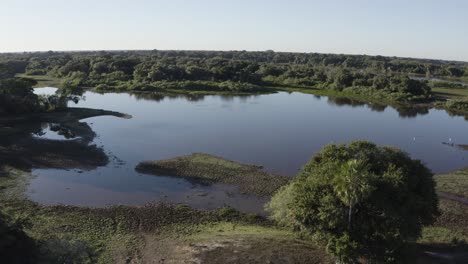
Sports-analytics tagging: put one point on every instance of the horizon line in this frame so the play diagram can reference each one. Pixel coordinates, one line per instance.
(233, 50)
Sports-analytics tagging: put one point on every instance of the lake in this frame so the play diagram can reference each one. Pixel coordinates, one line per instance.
(279, 131)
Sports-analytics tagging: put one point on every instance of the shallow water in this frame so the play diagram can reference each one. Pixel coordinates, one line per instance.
(279, 131)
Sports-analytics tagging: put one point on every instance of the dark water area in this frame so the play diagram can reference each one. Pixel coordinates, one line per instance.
(279, 131)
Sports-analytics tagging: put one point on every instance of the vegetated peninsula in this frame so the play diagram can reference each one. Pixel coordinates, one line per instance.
(388, 80)
(209, 169)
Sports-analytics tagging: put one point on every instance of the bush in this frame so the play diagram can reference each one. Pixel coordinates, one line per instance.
(15, 245)
(361, 200)
(279, 206)
(457, 105)
(452, 85)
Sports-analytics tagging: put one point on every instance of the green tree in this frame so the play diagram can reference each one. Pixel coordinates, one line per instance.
(341, 78)
(351, 183)
(380, 82)
(361, 200)
(455, 71)
(17, 96)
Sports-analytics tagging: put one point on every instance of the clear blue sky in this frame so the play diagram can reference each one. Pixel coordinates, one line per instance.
(412, 28)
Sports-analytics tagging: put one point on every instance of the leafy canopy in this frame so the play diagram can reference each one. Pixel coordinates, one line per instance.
(361, 200)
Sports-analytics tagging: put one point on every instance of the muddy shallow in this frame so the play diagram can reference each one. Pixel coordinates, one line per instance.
(278, 131)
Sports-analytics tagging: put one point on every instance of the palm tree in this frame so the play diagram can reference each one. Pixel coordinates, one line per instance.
(351, 184)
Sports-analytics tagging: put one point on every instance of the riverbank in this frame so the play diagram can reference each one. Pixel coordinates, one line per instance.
(447, 98)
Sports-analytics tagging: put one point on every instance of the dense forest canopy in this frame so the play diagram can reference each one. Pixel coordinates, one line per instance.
(17, 95)
(236, 71)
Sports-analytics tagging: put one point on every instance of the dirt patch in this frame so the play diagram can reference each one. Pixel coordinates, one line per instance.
(252, 249)
(225, 245)
(208, 169)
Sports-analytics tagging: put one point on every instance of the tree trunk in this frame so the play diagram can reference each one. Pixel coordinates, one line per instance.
(350, 211)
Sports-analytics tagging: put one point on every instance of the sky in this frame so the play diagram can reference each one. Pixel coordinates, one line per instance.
(410, 28)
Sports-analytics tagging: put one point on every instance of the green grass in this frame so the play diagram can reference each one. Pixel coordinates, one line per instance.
(42, 80)
(452, 225)
(455, 182)
(450, 93)
(210, 169)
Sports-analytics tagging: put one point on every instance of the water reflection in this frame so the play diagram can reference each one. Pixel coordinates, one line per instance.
(29, 145)
(158, 97)
(404, 111)
(278, 131)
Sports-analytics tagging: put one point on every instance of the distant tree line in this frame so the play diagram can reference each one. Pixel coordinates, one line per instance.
(237, 71)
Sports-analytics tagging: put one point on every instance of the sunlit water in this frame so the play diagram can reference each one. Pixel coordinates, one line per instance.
(279, 131)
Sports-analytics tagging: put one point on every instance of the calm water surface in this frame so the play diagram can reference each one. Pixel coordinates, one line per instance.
(279, 131)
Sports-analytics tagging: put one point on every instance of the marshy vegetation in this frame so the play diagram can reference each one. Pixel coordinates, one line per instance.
(209, 169)
(153, 232)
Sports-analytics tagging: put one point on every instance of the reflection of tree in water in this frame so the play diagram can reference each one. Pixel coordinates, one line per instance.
(158, 97)
(343, 101)
(457, 113)
(21, 148)
(403, 110)
(412, 111)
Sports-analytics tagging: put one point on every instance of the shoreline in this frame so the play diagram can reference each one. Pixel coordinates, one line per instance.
(440, 100)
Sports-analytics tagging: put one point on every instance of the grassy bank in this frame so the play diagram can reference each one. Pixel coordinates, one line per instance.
(451, 93)
(208, 169)
(447, 239)
(42, 80)
(454, 183)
